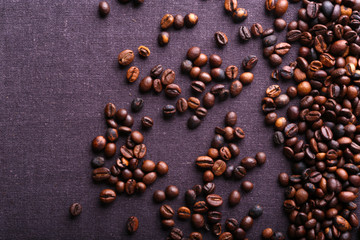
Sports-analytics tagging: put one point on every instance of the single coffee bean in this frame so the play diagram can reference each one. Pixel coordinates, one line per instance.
(239, 133)
(208, 100)
(193, 102)
(132, 224)
(216, 229)
(100, 174)
(214, 200)
(111, 123)
(247, 186)
(130, 186)
(279, 24)
(249, 62)
(112, 134)
(218, 141)
(104, 8)
(171, 192)
(248, 163)
(270, 5)
(231, 119)
(221, 39)
(201, 112)
(181, 105)
(147, 122)
(126, 57)
(168, 77)
(128, 121)
(235, 88)
(191, 20)
(156, 71)
(246, 78)
(144, 51)
(219, 167)
(275, 60)
(190, 197)
(260, 158)
(246, 223)
(267, 32)
(293, 35)
(215, 61)
(231, 224)
(214, 217)
(230, 5)
(201, 60)
(184, 213)
(120, 186)
(172, 90)
(197, 220)
(234, 198)
(239, 172)
(148, 166)
(269, 40)
(239, 15)
(121, 114)
(168, 223)
(97, 162)
(166, 211)
(218, 74)
(75, 209)
(200, 207)
(137, 104)
(140, 151)
(176, 234)
(198, 86)
(231, 72)
(256, 30)
(193, 53)
(244, 33)
(195, 72)
(169, 111)
(159, 196)
(267, 233)
(132, 74)
(226, 236)
(234, 150)
(278, 138)
(204, 162)
(162, 168)
(209, 188)
(98, 144)
(166, 21)
(107, 196)
(149, 178)
(256, 211)
(163, 38)
(205, 77)
(281, 7)
(146, 84)
(186, 66)
(178, 21)
(110, 110)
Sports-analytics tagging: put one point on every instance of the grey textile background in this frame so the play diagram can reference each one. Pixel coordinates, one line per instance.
(58, 63)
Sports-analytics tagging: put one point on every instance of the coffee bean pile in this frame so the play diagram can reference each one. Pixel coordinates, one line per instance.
(320, 135)
(178, 22)
(128, 174)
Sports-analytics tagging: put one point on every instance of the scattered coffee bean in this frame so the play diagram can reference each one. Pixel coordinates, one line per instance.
(191, 20)
(126, 57)
(104, 8)
(163, 38)
(132, 224)
(107, 196)
(144, 51)
(221, 39)
(75, 209)
(247, 186)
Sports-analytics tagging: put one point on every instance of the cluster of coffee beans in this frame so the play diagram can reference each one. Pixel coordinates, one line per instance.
(278, 7)
(178, 22)
(273, 50)
(238, 14)
(325, 179)
(270, 234)
(127, 174)
(201, 209)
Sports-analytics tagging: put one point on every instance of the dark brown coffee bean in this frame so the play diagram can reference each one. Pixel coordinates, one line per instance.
(107, 196)
(219, 167)
(231, 119)
(104, 8)
(75, 209)
(256, 30)
(246, 78)
(209, 188)
(281, 7)
(178, 21)
(248, 163)
(168, 77)
(247, 186)
(197, 220)
(201, 60)
(205, 77)
(144, 51)
(204, 162)
(191, 20)
(168, 223)
(244, 33)
(181, 105)
(159, 196)
(231, 72)
(132, 74)
(239, 133)
(184, 213)
(163, 38)
(171, 192)
(193, 102)
(293, 35)
(126, 57)
(279, 24)
(186, 66)
(149, 178)
(234, 198)
(132, 224)
(172, 90)
(193, 53)
(176, 234)
(246, 223)
(208, 100)
(215, 61)
(169, 111)
(100, 174)
(214, 200)
(166, 211)
(239, 15)
(166, 21)
(226, 236)
(146, 84)
(249, 62)
(270, 5)
(201, 112)
(130, 186)
(98, 144)
(156, 71)
(220, 39)
(147, 122)
(282, 48)
(275, 60)
(235, 88)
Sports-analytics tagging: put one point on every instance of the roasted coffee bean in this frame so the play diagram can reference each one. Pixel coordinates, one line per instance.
(201, 112)
(144, 51)
(218, 74)
(239, 133)
(190, 197)
(215, 61)
(270, 5)
(256, 30)
(218, 141)
(193, 53)
(191, 20)
(132, 224)
(162, 168)
(104, 8)
(234, 198)
(178, 21)
(208, 100)
(244, 33)
(130, 186)
(231, 119)
(239, 172)
(248, 163)
(168, 77)
(126, 57)
(171, 192)
(100, 174)
(140, 187)
(146, 84)
(195, 236)
(140, 151)
(147, 122)
(168, 223)
(121, 114)
(239, 15)
(75, 209)
(282, 48)
(98, 144)
(205, 77)
(169, 111)
(137, 104)
(148, 166)
(159, 196)
(231, 72)
(197, 220)
(256, 211)
(156, 71)
(184, 213)
(220, 39)
(269, 40)
(198, 86)
(176, 234)
(216, 229)
(186, 66)
(247, 186)
(267, 233)
(279, 24)
(193, 102)
(201, 60)
(204, 162)
(97, 162)
(166, 211)
(235, 88)
(231, 224)
(132, 74)
(209, 188)
(110, 110)
(214, 217)
(260, 158)
(275, 60)
(107, 196)
(166, 21)
(181, 105)
(230, 5)
(273, 91)
(281, 7)
(149, 178)
(246, 78)
(163, 38)
(128, 121)
(208, 176)
(214, 200)
(293, 35)
(219, 167)
(226, 236)
(172, 90)
(249, 62)
(246, 223)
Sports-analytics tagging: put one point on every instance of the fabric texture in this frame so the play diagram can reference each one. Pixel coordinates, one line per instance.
(58, 62)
